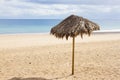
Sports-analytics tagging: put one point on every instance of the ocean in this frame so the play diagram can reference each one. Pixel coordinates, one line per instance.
(13, 26)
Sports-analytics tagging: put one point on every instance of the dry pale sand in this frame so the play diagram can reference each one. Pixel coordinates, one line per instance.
(43, 57)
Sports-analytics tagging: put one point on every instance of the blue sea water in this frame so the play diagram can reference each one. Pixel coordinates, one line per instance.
(13, 26)
(10, 26)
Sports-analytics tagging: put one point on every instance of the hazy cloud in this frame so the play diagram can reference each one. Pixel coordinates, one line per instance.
(85, 2)
(37, 9)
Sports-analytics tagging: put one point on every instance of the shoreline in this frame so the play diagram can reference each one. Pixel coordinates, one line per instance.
(45, 39)
(23, 33)
(94, 32)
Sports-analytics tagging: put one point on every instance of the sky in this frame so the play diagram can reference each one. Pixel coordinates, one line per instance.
(59, 9)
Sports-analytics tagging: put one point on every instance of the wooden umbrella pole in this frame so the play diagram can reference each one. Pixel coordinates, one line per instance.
(73, 47)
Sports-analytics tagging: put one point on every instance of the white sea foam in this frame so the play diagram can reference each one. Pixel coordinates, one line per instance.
(108, 31)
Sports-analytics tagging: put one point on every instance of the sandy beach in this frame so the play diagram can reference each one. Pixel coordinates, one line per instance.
(44, 57)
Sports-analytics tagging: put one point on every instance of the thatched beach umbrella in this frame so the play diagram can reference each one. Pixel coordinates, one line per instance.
(72, 27)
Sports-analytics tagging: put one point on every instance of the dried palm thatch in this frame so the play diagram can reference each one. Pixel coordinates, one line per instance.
(73, 26)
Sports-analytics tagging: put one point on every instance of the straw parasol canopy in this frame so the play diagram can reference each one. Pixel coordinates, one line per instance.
(72, 27)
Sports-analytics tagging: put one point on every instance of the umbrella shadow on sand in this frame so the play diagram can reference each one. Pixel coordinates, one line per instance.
(37, 78)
